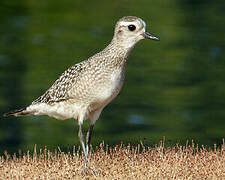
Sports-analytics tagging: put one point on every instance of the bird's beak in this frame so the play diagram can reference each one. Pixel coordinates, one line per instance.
(150, 36)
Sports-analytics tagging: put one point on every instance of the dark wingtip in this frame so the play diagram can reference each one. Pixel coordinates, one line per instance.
(6, 114)
(11, 113)
(15, 112)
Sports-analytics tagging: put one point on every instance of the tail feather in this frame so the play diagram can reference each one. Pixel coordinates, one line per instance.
(19, 112)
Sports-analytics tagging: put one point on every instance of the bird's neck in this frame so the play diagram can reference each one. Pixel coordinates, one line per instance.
(115, 54)
(118, 50)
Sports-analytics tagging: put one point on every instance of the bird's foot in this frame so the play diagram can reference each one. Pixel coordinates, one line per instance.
(88, 170)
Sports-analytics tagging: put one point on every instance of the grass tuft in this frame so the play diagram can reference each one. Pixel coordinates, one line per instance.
(119, 162)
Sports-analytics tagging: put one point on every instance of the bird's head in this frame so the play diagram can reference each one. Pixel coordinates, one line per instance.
(129, 30)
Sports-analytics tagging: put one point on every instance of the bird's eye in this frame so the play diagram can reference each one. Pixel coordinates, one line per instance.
(131, 27)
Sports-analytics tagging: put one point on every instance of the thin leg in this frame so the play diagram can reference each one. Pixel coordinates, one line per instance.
(80, 134)
(88, 138)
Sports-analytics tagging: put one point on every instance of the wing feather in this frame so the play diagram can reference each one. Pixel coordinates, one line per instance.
(59, 90)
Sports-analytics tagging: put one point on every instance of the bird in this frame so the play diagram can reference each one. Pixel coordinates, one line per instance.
(84, 89)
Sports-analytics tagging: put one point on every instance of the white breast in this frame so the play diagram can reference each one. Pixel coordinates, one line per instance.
(113, 86)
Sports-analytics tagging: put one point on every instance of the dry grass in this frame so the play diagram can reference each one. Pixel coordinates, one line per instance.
(120, 162)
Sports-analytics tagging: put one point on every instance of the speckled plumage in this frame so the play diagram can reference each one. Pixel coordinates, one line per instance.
(94, 69)
(86, 84)
(84, 89)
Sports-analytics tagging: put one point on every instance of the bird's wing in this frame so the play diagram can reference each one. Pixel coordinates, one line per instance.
(59, 90)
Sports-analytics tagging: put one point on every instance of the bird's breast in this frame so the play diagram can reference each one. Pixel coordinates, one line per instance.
(111, 87)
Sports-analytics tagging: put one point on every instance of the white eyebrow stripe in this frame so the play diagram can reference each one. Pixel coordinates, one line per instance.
(126, 23)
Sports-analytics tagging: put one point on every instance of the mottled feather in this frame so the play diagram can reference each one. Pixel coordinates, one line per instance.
(59, 90)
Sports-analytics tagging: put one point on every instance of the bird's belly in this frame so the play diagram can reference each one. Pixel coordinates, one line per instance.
(60, 110)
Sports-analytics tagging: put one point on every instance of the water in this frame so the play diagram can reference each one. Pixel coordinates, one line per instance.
(173, 88)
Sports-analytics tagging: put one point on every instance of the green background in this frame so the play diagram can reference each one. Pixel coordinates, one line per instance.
(173, 88)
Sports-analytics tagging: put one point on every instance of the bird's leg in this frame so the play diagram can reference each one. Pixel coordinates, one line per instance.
(86, 149)
(88, 138)
(88, 141)
(80, 134)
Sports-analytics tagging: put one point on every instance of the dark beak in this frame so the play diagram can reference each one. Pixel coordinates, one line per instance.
(150, 36)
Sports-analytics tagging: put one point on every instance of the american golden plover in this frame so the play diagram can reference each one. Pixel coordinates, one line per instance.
(84, 89)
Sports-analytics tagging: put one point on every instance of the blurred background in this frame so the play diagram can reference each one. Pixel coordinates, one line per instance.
(173, 88)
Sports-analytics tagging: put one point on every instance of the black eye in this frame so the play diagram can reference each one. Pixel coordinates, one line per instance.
(131, 27)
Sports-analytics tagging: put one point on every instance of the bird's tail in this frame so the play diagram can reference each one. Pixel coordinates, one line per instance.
(19, 112)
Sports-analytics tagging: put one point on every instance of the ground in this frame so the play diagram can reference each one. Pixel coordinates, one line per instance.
(119, 162)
